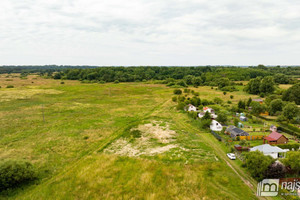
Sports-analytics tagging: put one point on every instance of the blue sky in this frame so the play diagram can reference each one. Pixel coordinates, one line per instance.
(156, 32)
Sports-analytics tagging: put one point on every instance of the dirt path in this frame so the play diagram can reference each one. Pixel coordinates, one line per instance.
(249, 181)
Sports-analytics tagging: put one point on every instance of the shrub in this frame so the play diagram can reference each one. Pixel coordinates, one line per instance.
(187, 90)
(177, 91)
(236, 121)
(180, 106)
(10, 86)
(257, 164)
(289, 146)
(193, 114)
(86, 137)
(62, 82)
(231, 96)
(174, 99)
(205, 123)
(218, 100)
(116, 81)
(15, 172)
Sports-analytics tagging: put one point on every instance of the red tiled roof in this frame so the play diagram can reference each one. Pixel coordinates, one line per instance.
(273, 136)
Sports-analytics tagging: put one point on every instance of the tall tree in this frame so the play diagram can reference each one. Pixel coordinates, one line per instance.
(267, 85)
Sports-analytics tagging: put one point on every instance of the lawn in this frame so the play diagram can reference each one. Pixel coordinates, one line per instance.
(66, 131)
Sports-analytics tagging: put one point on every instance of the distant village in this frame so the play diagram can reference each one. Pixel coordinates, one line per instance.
(237, 133)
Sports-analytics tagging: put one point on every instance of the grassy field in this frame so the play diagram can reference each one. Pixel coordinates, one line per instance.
(81, 139)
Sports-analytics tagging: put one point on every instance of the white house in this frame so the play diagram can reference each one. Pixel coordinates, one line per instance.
(211, 111)
(201, 114)
(269, 150)
(216, 126)
(208, 109)
(192, 108)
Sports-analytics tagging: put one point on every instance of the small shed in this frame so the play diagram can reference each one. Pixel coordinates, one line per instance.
(243, 118)
(240, 125)
(273, 128)
(258, 100)
(216, 126)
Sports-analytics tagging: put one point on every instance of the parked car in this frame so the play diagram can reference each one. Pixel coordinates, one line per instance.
(231, 156)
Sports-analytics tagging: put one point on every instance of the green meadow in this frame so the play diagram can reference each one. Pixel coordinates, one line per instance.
(90, 141)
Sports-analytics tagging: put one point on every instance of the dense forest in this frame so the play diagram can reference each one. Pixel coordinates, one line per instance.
(38, 68)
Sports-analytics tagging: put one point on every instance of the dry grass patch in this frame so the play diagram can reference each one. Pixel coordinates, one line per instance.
(12, 94)
(153, 139)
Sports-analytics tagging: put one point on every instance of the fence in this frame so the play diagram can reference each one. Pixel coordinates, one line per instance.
(217, 136)
(251, 137)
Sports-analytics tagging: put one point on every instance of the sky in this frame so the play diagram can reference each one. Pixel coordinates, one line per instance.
(149, 32)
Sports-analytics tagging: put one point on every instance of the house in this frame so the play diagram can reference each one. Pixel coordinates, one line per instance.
(268, 150)
(216, 126)
(191, 108)
(258, 100)
(234, 131)
(276, 138)
(208, 109)
(243, 118)
(211, 111)
(201, 114)
(273, 128)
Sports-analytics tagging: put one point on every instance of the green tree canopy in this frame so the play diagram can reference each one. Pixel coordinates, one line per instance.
(257, 164)
(257, 108)
(292, 94)
(292, 160)
(267, 85)
(275, 106)
(290, 110)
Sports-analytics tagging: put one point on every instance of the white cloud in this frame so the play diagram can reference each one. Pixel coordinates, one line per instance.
(141, 32)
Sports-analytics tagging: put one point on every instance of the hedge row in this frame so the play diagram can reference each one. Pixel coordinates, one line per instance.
(289, 146)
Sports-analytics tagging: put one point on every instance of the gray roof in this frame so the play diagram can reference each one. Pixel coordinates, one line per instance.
(234, 131)
(266, 148)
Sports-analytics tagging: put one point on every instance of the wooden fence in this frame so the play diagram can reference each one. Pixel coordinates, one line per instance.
(252, 137)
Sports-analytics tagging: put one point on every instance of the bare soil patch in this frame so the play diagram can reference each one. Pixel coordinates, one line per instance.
(156, 138)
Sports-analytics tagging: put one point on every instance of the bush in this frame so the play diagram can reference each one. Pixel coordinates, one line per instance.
(193, 115)
(257, 164)
(205, 123)
(62, 82)
(177, 91)
(15, 172)
(174, 99)
(180, 106)
(116, 81)
(10, 86)
(289, 146)
(231, 96)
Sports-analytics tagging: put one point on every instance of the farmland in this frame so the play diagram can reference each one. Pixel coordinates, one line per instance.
(66, 131)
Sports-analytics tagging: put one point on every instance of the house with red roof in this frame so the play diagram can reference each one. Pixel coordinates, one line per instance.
(275, 138)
